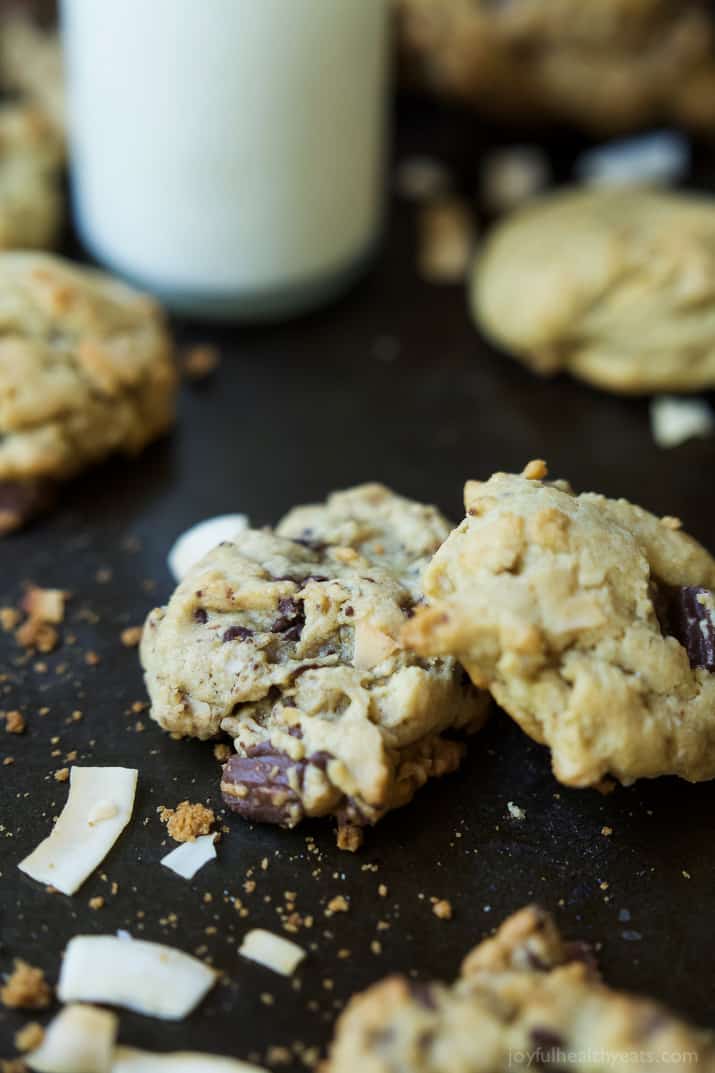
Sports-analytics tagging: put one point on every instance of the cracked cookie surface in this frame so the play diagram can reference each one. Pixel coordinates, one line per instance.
(525, 998)
(616, 287)
(590, 621)
(606, 65)
(85, 370)
(295, 651)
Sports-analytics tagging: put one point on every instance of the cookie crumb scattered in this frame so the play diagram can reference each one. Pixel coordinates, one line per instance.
(515, 811)
(62, 774)
(29, 1037)
(222, 752)
(350, 837)
(45, 609)
(186, 822)
(442, 909)
(535, 470)
(446, 239)
(96, 903)
(131, 636)
(606, 832)
(200, 361)
(26, 988)
(14, 722)
(338, 904)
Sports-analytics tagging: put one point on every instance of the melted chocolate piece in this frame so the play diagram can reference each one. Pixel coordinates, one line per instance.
(266, 795)
(683, 613)
(545, 1040)
(291, 620)
(237, 633)
(424, 995)
(200, 615)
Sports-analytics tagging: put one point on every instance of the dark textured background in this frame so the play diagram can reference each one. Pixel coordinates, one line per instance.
(293, 412)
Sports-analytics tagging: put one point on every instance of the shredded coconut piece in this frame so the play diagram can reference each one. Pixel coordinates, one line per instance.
(273, 951)
(129, 1060)
(76, 845)
(674, 420)
(200, 539)
(660, 158)
(187, 859)
(79, 1040)
(153, 979)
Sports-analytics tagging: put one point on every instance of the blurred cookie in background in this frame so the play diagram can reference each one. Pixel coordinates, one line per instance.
(614, 285)
(604, 65)
(31, 63)
(31, 199)
(86, 370)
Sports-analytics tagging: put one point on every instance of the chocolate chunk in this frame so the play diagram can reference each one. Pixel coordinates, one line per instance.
(237, 633)
(257, 786)
(20, 501)
(309, 542)
(691, 620)
(200, 615)
(424, 995)
(291, 620)
(545, 1040)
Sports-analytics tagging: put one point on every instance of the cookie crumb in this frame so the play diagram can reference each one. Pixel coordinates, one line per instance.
(446, 239)
(62, 774)
(14, 722)
(91, 658)
(200, 361)
(350, 837)
(606, 832)
(186, 822)
(9, 618)
(222, 752)
(131, 636)
(338, 904)
(26, 988)
(45, 609)
(96, 903)
(442, 909)
(515, 811)
(29, 1037)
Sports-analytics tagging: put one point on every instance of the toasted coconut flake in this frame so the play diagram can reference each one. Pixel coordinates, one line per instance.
(79, 842)
(156, 980)
(79, 1040)
(189, 857)
(273, 951)
(201, 538)
(129, 1060)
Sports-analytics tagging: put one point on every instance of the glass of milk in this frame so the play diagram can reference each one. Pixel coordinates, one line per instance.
(227, 155)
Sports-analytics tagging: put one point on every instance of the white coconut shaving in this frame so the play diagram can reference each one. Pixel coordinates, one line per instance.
(674, 420)
(80, 1039)
(98, 808)
(189, 857)
(130, 1060)
(273, 951)
(200, 539)
(150, 978)
(660, 158)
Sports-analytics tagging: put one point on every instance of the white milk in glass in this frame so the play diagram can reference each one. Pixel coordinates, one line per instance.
(228, 154)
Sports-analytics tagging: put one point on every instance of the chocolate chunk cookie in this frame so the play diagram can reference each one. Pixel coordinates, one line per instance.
(85, 370)
(525, 999)
(31, 155)
(615, 286)
(389, 530)
(590, 620)
(295, 651)
(606, 65)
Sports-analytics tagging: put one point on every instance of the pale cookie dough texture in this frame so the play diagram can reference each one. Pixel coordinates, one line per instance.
(31, 65)
(31, 198)
(606, 65)
(292, 646)
(85, 370)
(616, 287)
(525, 999)
(589, 620)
